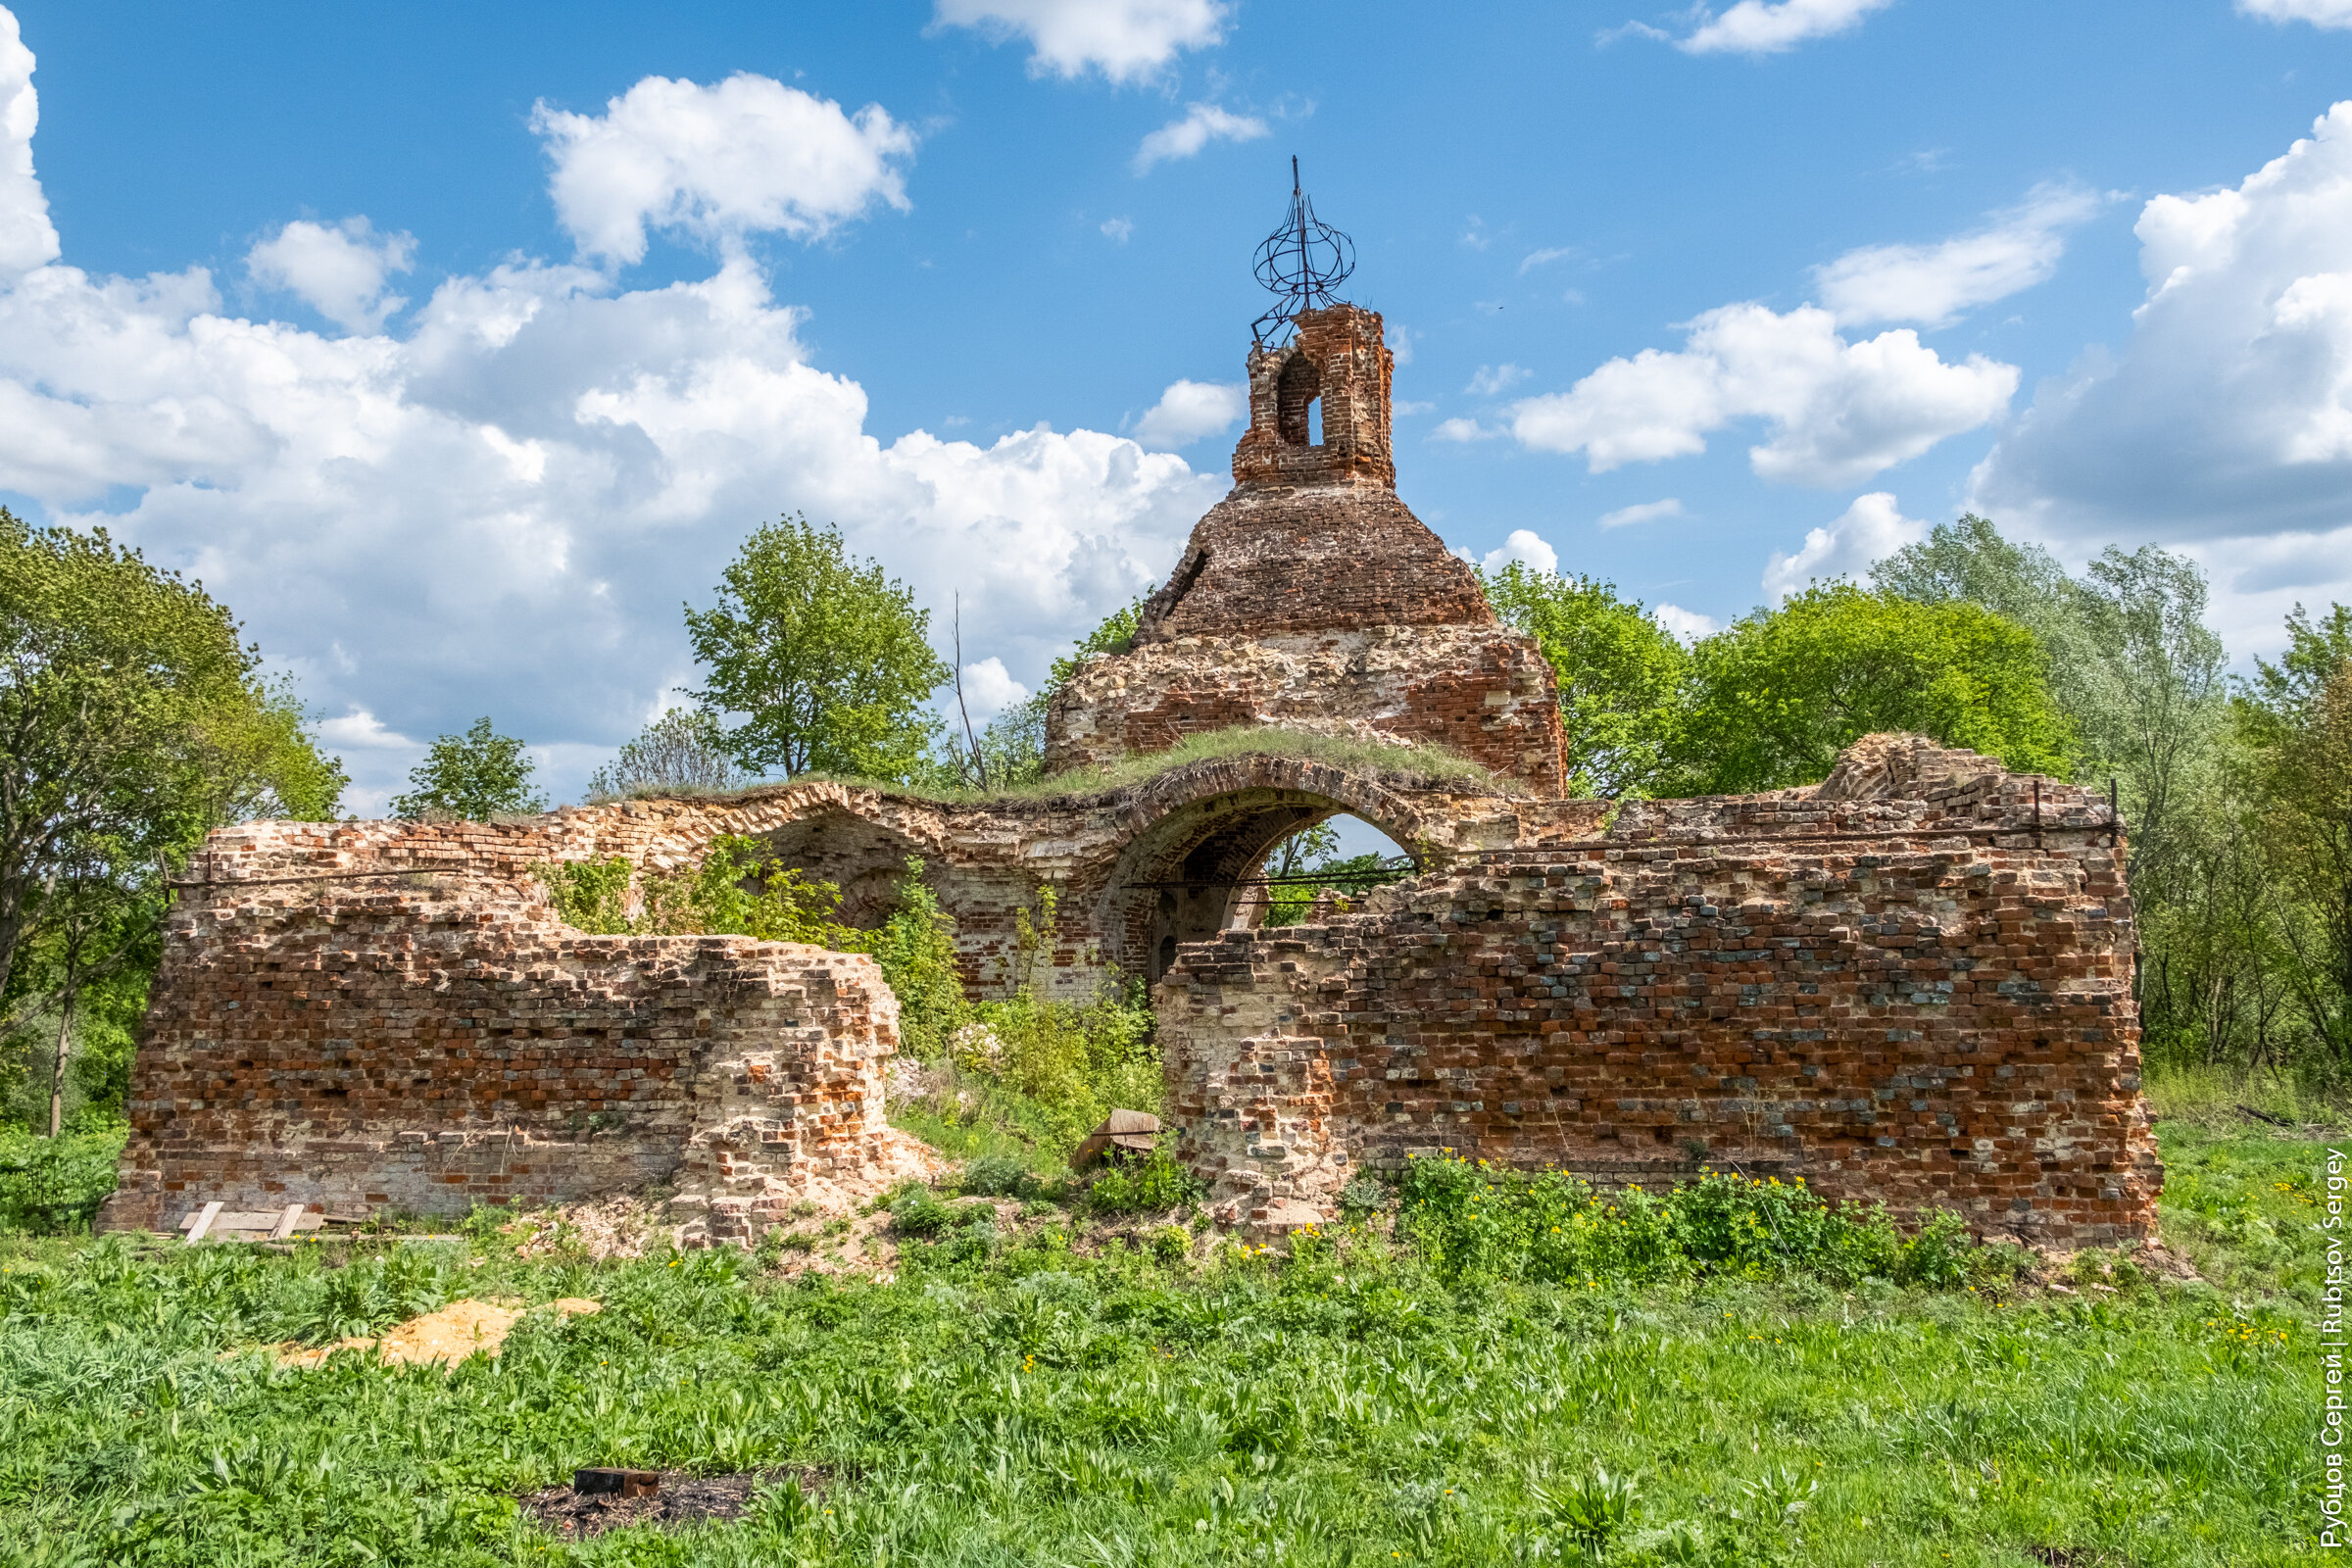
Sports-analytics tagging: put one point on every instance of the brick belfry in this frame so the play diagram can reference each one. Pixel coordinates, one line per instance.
(1312, 598)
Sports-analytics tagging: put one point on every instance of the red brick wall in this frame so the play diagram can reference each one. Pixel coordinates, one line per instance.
(1924, 1002)
(430, 1041)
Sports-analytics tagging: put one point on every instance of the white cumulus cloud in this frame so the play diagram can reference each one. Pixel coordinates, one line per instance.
(989, 689)
(1492, 380)
(2223, 424)
(361, 731)
(1934, 283)
(501, 510)
(1758, 27)
(339, 270)
(1200, 126)
(746, 155)
(1836, 412)
(1461, 429)
(1869, 530)
(1118, 230)
(1188, 411)
(1644, 511)
(1526, 547)
(28, 238)
(1685, 625)
(1126, 41)
(2319, 12)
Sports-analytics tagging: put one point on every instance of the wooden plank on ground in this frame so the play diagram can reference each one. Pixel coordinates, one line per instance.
(286, 1223)
(204, 1222)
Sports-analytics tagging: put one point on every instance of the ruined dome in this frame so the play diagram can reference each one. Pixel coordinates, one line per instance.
(1313, 536)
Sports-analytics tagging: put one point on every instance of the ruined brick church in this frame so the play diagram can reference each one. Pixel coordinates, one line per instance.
(1910, 982)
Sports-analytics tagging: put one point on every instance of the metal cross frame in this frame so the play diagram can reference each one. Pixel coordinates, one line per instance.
(1300, 262)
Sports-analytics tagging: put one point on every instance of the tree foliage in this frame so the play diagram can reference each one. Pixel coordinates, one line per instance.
(1621, 675)
(1777, 695)
(2296, 718)
(471, 777)
(683, 751)
(132, 720)
(825, 658)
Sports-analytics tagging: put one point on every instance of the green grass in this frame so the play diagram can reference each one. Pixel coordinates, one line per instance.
(1029, 1395)
(2220, 1098)
(1417, 763)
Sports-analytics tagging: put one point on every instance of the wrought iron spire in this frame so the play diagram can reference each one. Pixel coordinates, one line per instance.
(1300, 263)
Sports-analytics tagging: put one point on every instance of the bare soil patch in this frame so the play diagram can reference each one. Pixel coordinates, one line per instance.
(683, 1499)
(456, 1331)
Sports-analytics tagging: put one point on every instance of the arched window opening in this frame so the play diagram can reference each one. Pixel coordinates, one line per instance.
(1343, 856)
(1295, 395)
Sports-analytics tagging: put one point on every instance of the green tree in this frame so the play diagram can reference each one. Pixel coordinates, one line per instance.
(826, 660)
(1968, 560)
(2315, 651)
(1621, 677)
(471, 777)
(133, 722)
(1777, 695)
(2296, 715)
(684, 751)
(2155, 711)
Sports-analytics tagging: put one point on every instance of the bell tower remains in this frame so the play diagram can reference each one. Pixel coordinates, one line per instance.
(1312, 598)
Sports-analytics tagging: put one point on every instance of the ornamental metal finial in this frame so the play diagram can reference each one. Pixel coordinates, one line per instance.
(1300, 262)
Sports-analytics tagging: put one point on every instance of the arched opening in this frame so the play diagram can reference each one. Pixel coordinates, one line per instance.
(863, 859)
(1296, 419)
(1341, 857)
(1204, 869)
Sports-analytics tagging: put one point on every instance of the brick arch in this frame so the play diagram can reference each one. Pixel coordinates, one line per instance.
(1192, 833)
(863, 854)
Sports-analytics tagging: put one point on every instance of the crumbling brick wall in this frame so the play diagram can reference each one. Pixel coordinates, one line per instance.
(389, 1015)
(433, 1039)
(1484, 691)
(1911, 984)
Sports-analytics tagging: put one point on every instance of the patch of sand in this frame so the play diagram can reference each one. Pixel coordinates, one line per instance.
(459, 1330)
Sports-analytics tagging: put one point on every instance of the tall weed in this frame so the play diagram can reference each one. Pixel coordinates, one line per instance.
(1470, 1220)
(54, 1184)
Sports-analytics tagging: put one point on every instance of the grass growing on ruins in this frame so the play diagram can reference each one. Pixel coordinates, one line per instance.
(1036, 1384)
(1418, 764)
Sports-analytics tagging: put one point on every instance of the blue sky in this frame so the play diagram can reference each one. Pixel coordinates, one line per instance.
(454, 347)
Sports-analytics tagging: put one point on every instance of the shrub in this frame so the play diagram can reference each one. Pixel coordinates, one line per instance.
(55, 1185)
(997, 1176)
(1150, 1186)
(1472, 1221)
(919, 1213)
(916, 950)
(1072, 1062)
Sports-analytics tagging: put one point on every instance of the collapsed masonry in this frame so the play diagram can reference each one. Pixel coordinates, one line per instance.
(1910, 982)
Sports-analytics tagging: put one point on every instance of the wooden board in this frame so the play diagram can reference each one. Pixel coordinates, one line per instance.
(212, 1223)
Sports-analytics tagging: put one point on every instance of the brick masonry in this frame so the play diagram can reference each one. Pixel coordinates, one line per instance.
(1896, 985)
(389, 1015)
(432, 1039)
(1311, 596)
